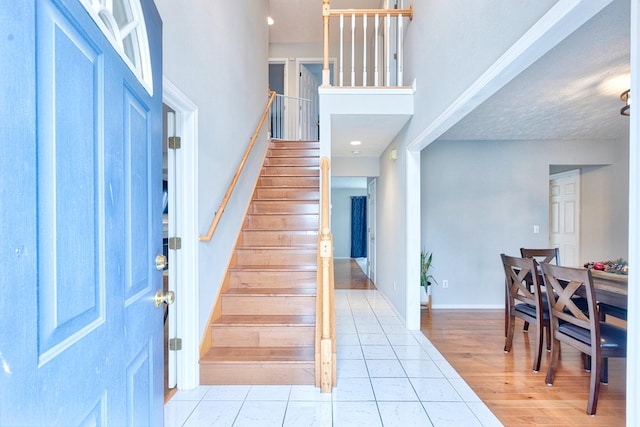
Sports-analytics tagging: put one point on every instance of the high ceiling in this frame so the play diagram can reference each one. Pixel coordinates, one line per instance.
(571, 93)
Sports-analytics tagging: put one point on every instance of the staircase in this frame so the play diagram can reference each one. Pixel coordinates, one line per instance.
(263, 330)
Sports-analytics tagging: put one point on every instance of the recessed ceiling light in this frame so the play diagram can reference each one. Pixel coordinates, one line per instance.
(356, 142)
(269, 20)
(355, 152)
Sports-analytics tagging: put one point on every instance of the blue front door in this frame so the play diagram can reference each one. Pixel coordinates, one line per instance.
(80, 203)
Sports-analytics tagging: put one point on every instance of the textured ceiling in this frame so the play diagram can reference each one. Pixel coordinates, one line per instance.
(571, 93)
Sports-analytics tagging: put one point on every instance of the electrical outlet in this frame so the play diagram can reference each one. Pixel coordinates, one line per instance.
(445, 283)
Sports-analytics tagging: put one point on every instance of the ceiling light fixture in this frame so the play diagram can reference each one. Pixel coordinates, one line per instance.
(356, 142)
(626, 98)
(355, 152)
(269, 20)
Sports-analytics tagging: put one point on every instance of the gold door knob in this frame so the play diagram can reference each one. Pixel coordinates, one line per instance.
(161, 262)
(168, 298)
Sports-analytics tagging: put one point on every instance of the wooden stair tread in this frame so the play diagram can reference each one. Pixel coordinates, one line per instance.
(259, 354)
(271, 291)
(231, 320)
(305, 267)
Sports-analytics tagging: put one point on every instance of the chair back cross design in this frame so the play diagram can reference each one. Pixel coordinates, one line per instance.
(524, 301)
(580, 328)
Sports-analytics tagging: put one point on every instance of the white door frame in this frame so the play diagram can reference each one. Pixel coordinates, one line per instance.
(371, 225)
(187, 265)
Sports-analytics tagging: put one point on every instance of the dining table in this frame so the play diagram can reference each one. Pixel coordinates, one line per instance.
(611, 288)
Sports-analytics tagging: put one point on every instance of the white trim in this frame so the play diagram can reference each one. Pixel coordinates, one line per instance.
(413, 239)
(633, 322)
(187, 284)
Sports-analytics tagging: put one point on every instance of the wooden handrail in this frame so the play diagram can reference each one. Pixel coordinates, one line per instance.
(370, 12)
(216, 219)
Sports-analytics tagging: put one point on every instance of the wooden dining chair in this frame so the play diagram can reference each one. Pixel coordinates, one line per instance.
(547, 255)
(582, 330)
(541, 255)
(523, 302)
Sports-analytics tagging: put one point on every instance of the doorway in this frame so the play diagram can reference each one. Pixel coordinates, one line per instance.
(371, 229)
(181, 170)
(564, 216)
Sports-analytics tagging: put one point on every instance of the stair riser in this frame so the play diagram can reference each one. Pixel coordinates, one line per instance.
(272, 279)
(272, 305)
(285, 207)
(285, 257)
(286, 194)
(290, 171)
(281, 222)
(295, 145)
(279, 239)
(292, 161)
(262, 336)
(290, 181)
(308, 152)
(257, 373)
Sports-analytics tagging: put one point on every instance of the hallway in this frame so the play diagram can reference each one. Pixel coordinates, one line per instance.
(387, 376)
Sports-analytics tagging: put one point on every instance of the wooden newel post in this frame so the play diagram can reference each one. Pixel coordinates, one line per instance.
(326, 343)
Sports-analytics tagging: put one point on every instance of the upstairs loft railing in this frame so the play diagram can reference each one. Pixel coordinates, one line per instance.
(325, 302)
(294, 119)
(370, 64)
(216, 218)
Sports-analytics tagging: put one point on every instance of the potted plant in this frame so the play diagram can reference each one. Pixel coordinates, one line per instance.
(426, 277)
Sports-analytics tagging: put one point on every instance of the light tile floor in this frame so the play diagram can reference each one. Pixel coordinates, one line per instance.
(387, 376)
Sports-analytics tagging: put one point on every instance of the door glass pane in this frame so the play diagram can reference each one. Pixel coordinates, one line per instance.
(122, 13)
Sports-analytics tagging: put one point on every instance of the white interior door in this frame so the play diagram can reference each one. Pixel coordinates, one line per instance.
(309, 110)
(564, 216)
(371, 222)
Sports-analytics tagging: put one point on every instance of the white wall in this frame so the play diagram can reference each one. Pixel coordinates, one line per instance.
(480, 199)
(205, 45)
(341, 219)
(355, 166)
(451, 51)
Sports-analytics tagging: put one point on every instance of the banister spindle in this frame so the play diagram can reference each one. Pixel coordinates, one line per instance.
(353, 49)
(399, 67)
(387, 65)
(341, 50)
(375, 50)
(364, 50)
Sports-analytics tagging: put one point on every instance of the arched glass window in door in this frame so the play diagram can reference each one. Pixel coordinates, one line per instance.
(122, 22)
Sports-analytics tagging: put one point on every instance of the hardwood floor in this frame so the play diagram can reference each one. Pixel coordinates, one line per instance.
(473, 341)
(349, 275)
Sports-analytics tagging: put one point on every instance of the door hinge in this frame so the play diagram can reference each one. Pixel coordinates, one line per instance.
(174, 143)
(175, 243)
(175, 344)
